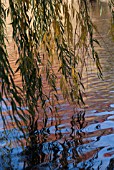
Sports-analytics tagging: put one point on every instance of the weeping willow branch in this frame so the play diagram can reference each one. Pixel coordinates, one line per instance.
(44, 32)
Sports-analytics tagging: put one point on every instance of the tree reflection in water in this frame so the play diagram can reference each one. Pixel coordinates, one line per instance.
(77, 124)
(58, 154)
(68, 151)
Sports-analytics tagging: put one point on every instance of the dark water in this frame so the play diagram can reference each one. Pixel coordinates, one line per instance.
(74, 139)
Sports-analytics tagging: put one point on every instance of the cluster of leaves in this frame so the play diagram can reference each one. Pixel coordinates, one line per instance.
(8, 88)
(43, 32)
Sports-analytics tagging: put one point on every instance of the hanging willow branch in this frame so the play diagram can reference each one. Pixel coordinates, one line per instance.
(44, 32)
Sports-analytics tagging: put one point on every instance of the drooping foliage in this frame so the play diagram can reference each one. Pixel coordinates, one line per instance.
(45, 31)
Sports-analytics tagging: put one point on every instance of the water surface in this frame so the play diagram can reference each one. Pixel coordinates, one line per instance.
(74, 139)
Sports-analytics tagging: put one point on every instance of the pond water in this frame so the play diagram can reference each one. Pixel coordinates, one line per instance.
(76, 139)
